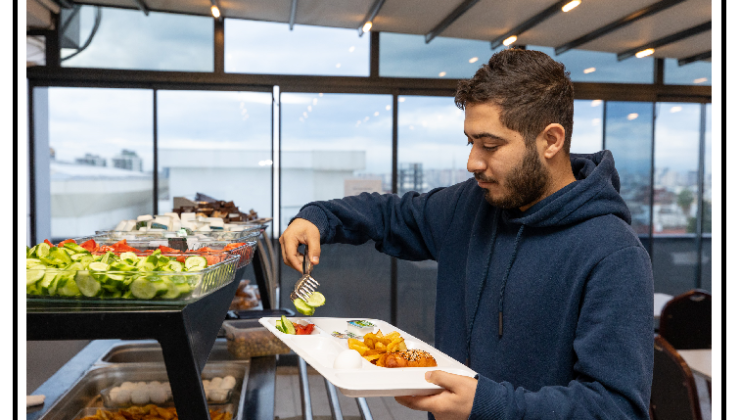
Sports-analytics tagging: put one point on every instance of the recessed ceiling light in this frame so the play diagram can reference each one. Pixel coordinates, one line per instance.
(510, 40)
(473, 60)
(645, 53)
(596, 102)
(215, 12)
(352, 49)
(401, 99)
(589, 70)
(700, 80)
(387, 107)
(366, 27)
(676, 109)
(572, 5)
(632, 116)
(442, 74)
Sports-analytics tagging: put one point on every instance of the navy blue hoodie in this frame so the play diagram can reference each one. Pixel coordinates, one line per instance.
(552, 307)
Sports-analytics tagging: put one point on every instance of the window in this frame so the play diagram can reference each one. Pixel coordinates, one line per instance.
(101, 158)
(266, 47)
(218, 144)
(432, 148)
(128, 39)
(593, 66)
(332, 146)
(706, 249)
(629, 137)
(696, 73)
(588, 126)
(675, 203)
(403, 55)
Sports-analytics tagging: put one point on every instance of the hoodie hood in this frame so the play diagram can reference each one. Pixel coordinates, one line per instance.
(595, 193)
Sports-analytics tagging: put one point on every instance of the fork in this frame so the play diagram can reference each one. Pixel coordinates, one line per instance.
(306, 284)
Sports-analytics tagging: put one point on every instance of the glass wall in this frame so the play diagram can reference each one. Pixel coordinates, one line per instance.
(101, 150)
(588, 126)
(272, 48)
(333, 146)
(594, 66)
(706, 249)
(403, 55)
(629, 137)
(675, 205)
(218, 144)
(696, 73)
(128, 39)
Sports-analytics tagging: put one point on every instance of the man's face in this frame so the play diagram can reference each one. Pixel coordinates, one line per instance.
(512, 174)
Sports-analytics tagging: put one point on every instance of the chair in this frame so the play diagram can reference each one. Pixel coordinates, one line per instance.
(686, 321)
(674, 395)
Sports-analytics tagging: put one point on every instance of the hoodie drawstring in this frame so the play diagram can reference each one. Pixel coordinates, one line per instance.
(503, 284)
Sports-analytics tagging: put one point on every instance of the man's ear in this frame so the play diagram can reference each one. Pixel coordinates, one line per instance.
(554, 137)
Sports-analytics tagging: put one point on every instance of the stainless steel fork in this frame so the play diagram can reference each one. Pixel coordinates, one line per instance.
(306, 284)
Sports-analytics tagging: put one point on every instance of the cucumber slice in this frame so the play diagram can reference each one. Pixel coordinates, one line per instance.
(127, 295)
(32, 262)
(69, 289)
(142, 288)
(87, 285)
(195, 263)
(315, 300)
(33, 289)
(129, 256)
(98, 266)
(279, 326)
(303, 308)
(287, 325)
(31, 252)
(175, 266)
(46, 282)
(52, 289)
(79, 256)
(42, 250)
(172, 290)
(184, 288)
(122, 266)
(32, 276)
(85, 260)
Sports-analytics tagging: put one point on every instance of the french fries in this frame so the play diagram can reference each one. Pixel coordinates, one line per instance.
(375, 347)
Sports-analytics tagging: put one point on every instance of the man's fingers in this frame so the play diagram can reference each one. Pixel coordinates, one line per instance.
(314, 248)
(422, 403)
(446, 380)
(291, 252)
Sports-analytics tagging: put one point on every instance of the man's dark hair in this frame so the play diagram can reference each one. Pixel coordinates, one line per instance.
(532, 89)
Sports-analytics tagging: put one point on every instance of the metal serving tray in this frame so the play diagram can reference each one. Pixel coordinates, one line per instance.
(150, 351)
(85, 393)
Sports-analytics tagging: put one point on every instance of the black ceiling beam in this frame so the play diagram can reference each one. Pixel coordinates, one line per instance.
(701, 56)
(531, 22)
(374, 9)
(66, 4)
(142, 6)
(619, 23)
(678, 36)
(292, 14)
(447, 21)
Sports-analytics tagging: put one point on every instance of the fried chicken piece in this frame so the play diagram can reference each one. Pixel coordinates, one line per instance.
(409, 358)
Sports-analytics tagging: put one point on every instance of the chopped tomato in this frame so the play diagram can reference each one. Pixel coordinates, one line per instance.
(229, 247)
(61, 244)
(166, 249)
(206, 250)
(212, 259)
(48, 242)
(105, 248)
(121, 246)
(90, 245)
(301, 329)
(181, 258)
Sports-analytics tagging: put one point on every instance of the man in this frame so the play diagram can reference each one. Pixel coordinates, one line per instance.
(543, 287)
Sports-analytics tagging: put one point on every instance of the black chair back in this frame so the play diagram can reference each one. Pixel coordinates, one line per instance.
(674, 395)
(686, 321)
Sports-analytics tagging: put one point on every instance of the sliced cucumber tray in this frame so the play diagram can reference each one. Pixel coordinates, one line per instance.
(70, 271)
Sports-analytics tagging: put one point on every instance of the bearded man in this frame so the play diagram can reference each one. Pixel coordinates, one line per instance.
(543, 288)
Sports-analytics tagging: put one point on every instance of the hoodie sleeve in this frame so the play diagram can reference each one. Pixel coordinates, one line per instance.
(614, 350)
(408, 227)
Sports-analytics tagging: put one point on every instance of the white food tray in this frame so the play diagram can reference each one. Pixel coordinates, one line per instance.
(320, 348)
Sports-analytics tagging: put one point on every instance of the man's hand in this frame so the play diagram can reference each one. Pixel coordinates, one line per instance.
(454, 402)
(301, 231)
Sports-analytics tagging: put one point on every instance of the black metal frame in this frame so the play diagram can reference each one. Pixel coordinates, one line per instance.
(530, 23)
(371, 13)
(701, 56)
(449, 19)
(619, 23)
(678, 36)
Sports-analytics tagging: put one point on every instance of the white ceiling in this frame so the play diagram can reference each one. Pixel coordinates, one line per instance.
(486, 20)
